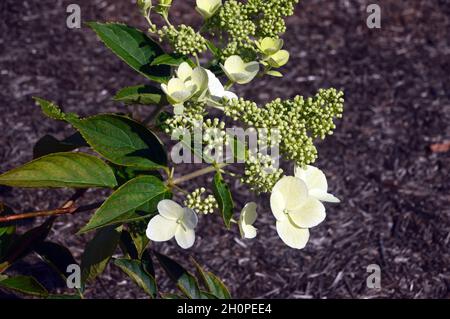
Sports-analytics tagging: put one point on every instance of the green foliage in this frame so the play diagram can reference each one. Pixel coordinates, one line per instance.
(134, 200)
(76, 170)
(134, 48)
(135, 270)
(141, 94)
(122, 141)
(24, 284)
(224, 198)
(98, 252)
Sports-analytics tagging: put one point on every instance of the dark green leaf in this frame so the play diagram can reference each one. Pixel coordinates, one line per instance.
(171, 296)
(138, 234)
(187, 283)
(57, 256)
(141, 194)
(25, 243)
(76, 170)
(134, 48)
(172, 60)
(141, 94)
(127, 246)
(135, 270)
(122, 141)
(215, 286)
(224, 199)
(98, 252)
(24, 284)
(49, 144)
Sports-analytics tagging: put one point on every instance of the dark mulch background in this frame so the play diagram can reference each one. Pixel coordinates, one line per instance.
(395, 209)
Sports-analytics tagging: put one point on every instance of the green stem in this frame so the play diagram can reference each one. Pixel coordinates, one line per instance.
(196, 174)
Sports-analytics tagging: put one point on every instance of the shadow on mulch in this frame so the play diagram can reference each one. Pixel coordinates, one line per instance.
(394, 190)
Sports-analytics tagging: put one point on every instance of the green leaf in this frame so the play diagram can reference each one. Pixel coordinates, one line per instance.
(98, 252)
(186, 282)
(24, 284)
(215, 286)
(53, 111)
(138, 234)
(25, 243)
(77, 170)
(57, 256)
(134, 48)
(172, 60)
(135, 270)
(224, 199)
(141, 194)
(49, 144)
(238, 149)
(122, 141)
(141, 94)
(213, 48)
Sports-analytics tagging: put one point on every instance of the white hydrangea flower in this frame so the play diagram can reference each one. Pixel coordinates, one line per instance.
(316, 182)
(207, 8)
(238, 71)
(173, 221)
(246, 220)
(216, 90)
(295, 211)
(188, 83)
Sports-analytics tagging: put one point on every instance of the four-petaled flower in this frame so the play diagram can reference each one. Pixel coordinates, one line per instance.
(173, 221)
(188, 83)
(316, 182)
(238, 71)
(273, 55)
(295, 211)
(246, 220)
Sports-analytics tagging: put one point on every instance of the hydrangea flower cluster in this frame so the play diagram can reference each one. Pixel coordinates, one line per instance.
(247, 45)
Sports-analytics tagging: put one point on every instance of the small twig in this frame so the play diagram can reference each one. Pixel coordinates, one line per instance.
(68, 208)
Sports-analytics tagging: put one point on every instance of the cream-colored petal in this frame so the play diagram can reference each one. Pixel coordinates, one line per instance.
(249, 231)
(161, 229)
(310, 214)
(313, 177)
(323, 196)
(214, 86)
(248, 214)
(291, 235)
(278, 205)
(200, 79)
(279, 58)
(190, 218)
(270, 45)
(170, 209)
(185, 237)
(184, 71)
(234, 64)
(293, 190)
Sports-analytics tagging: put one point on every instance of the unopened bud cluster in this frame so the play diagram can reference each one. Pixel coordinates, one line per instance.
(184, 40)
(298, 121)
(199, 203)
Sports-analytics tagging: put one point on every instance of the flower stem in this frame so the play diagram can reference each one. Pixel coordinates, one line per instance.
(196, 174)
